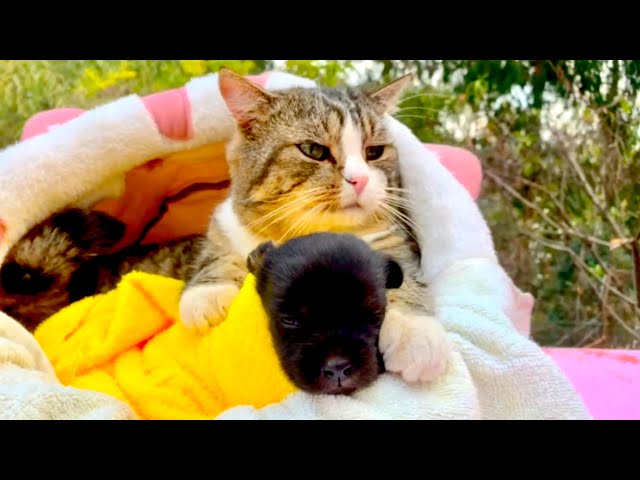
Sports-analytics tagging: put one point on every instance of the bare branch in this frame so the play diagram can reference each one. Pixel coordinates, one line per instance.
(594, 198)
(580, 263)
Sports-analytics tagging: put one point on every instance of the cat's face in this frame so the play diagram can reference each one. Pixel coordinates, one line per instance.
(306, 160)
(49, 267)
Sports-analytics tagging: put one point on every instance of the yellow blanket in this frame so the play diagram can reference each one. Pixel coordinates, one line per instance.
(129, 343)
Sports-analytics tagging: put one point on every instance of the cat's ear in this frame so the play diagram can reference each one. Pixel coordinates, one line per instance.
(244, 99)
(92, 231)
(256, 257)
(386, 97)
(84, 281)
(395, 275)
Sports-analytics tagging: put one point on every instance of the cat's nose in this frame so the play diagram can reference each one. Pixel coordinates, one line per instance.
(359, 183)
(337, 368)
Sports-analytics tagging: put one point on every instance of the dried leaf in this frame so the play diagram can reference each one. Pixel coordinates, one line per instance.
(619, 242)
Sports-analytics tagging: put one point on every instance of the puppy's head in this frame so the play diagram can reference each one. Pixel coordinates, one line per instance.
(53, 264)
(325, 295)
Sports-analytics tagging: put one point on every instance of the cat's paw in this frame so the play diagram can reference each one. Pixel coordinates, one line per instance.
(414, 346)
(204, 306)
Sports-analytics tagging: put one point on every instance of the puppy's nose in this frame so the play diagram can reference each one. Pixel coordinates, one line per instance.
(337, 367)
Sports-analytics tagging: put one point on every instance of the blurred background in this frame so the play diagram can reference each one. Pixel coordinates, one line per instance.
(559, 141)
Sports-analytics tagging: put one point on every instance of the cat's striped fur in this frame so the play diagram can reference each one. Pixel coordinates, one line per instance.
(71, 255)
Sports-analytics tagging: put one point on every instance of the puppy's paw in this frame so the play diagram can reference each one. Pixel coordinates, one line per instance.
(414, 346)
(204, 306)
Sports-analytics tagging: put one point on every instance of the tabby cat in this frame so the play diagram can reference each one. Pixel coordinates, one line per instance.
(73, 254)
(311, 160)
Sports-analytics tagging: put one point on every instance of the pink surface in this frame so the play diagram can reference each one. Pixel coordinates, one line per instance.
(607, 380)
(171, 110)
(463, 164)
(41, 122)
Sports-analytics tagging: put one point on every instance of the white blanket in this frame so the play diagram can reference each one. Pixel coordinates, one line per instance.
(496, 371)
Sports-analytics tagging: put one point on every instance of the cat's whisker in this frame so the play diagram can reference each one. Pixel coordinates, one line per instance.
(320, 208)
(424, 94)
(400, 207)
(395, 196)
(397, 191)
(398, 195)
(306, 219)
(264, 218)
(401, 225)
(402, 203)
(376, 217)
(290, 195)
(411, 228)
(404, 219)
(273, 213)
(389, 217)
(284, 214)
(300, 222)
(300, 206)
(422, 117)
(429, 112)
(281, 213)
(297, 225)
(398, 199)
(419, 108)
(319, 191)
(324, 210)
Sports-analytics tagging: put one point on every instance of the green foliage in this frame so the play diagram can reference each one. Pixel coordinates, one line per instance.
(329, 73)
(30, 86)
(581, 185)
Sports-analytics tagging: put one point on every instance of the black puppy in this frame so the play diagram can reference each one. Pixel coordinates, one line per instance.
(325, 295)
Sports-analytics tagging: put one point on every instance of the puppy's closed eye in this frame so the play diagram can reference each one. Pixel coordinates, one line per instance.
(290, 322)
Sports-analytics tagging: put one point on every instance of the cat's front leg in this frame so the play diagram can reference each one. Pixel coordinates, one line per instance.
(214, 284)
(206, 305)
(414, 345)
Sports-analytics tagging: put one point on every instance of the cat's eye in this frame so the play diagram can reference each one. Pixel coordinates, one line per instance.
(315, 151)
(289, 322)
(19, 280)
(374, 152)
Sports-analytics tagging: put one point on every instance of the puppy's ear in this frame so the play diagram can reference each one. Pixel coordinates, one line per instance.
(395, 275)
(256, 258)
(90, 230)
